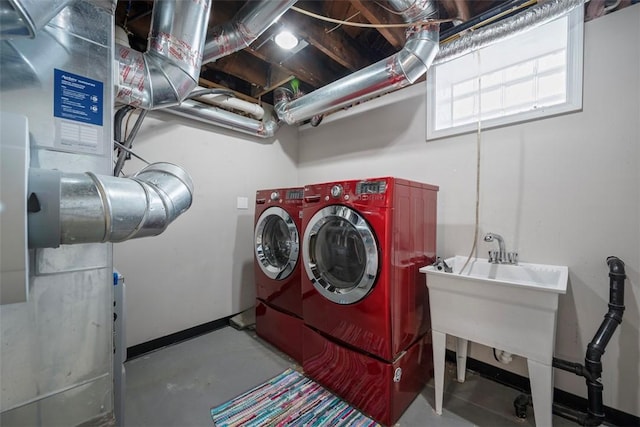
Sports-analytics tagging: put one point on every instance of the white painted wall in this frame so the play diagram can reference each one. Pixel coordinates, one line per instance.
(564, 190)
(201, 268)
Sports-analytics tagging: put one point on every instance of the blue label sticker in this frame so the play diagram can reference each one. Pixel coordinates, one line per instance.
(77, 98)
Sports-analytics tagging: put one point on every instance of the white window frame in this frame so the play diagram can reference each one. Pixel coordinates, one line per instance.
(573, 82)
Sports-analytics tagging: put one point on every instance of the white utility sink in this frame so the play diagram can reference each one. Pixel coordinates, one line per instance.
(507, 307)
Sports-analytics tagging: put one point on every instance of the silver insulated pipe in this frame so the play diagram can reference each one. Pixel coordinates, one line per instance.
(169, 70)
(395, 72)
(70, 208)
(533, 17)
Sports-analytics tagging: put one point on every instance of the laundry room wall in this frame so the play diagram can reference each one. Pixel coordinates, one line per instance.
(201, 268)
(562, 190)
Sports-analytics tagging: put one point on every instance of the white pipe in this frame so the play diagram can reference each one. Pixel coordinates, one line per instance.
(229, 102)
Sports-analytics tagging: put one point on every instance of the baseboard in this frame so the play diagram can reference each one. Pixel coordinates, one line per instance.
(155, 344)
(561, 397)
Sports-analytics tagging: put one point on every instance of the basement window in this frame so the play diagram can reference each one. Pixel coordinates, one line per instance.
(529, 76)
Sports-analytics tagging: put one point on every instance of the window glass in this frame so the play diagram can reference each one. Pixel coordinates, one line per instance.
(528, 76)
(340, 254)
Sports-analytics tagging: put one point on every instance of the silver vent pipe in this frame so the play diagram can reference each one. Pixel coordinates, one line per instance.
(246, 26)
(168, 71)
(532, 17)
(70, 208)
(395, 72)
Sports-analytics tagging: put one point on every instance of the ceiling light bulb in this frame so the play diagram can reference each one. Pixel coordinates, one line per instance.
(286, 40)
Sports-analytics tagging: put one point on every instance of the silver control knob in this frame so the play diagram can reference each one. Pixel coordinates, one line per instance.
(336, 191)
(275, 196)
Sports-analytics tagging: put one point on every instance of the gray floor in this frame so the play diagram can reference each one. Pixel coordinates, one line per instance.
(177, 385)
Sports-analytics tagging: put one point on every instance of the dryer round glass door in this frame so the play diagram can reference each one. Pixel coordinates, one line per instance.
(340, 254)
(277, 243)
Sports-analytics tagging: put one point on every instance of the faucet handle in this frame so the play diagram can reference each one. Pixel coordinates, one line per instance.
(493, 257)
(512, 257)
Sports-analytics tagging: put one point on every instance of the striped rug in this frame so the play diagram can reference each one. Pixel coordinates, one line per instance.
(290, 399)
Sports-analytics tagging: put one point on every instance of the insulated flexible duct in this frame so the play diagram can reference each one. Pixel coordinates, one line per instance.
(70, 208)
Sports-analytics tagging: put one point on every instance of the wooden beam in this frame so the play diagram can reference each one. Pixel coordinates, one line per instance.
(377, 15)
(209, 84)
(336, 44)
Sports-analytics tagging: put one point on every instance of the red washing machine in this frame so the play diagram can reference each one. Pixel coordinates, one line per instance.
(277, 268)
(363, 297)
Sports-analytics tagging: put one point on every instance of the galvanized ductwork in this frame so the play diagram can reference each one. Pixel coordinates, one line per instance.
(69, 208)
(25, 18)
(395, 72)
(248, 24)
(533, 17)
(169, 70)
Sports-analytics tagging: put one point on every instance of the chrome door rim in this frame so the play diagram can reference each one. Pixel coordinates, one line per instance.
(362, 288)
(271, 271)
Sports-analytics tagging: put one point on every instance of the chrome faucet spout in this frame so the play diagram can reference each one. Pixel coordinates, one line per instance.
(500, 257)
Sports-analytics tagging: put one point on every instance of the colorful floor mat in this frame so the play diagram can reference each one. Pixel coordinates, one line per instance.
(290, 399)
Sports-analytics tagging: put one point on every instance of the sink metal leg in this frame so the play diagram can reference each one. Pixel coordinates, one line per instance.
(439, 344)
(461, 358)
(541, 378)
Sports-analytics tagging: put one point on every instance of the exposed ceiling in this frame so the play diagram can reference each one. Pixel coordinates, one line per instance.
(331, 51)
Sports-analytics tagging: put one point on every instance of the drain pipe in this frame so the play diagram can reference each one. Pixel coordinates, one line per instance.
(592, 368)
(166, 73)
(400, 70)
(71, 208)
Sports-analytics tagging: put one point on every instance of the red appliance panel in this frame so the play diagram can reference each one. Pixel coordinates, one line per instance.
(283, 294)
(395, 312)
(282, 330)
(381, 390)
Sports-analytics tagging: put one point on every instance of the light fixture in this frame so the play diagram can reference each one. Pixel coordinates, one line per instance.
(286, 40)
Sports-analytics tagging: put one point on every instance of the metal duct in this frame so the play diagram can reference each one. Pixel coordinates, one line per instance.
(98, 208)
(167, 72)
(395, 72)
(218, 117)
(535, 16)
(24, 18)
(247, 25)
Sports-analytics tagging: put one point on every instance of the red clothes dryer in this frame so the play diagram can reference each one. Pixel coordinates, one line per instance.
(277, 268)
(364, 242)
(365, 304)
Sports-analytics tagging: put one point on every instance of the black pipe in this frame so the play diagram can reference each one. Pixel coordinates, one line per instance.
(592, 369)
(595, 349)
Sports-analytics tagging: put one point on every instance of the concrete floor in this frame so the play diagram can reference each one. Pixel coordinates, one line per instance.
(177, 386)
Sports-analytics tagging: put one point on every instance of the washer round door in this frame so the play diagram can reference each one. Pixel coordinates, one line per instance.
(277, 243)
(340, 254)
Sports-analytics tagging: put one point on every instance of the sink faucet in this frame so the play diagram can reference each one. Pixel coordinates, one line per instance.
(500, 256)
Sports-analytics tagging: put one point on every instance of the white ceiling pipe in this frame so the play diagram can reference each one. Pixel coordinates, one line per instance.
(230, 102)
(215, 116)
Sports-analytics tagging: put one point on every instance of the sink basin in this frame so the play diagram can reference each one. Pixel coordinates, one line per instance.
(508, 307)
(551, 278)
